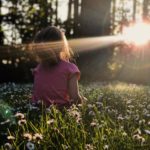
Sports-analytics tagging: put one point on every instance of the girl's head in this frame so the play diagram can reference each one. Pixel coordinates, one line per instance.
(50, 46)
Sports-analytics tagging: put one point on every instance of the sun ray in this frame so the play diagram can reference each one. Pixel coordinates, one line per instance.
(137, 33)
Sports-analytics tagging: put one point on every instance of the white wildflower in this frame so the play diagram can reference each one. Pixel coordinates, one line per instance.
(147, 115)
(5, 122)
(120, 118)
(51, 121)
(128, 102)
(137, 131)
(8, 146)
(104, 137)
(90, 106)
(75, 114)
(38, 137)
(99, 104)
(22, 122)
(129, 112)
(65, 147)
(130, 106)
(94, 123)
(147, 132)
(127, 117)
(137, 117)
(89, 147)
(124, 134)
(148, 106)
(145, 111)
(80, 105)
(106, 147)
(20, 115)
(142, 122)
(139, 138)
(136, 136)
(27, 136)
(10, 137)
(91, 113)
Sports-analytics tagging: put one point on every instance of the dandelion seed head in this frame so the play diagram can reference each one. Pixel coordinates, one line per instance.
(30, 146)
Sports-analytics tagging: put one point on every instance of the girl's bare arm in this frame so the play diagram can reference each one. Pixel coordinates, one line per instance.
(74, 90)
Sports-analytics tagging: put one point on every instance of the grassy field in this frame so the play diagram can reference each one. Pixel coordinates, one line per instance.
(115, 117)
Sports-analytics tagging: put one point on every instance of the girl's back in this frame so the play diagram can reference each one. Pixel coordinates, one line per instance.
(55, 78)
(51, 84)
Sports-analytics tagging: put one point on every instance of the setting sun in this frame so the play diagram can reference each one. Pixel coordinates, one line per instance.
(137, 34)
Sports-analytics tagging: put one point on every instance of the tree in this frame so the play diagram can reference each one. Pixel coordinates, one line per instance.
(95, 17)
(73, 22)
(28, 16)
(134, 9)
(145, 9)
(1, 30)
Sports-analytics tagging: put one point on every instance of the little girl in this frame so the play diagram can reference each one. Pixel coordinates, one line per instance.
(55, 78)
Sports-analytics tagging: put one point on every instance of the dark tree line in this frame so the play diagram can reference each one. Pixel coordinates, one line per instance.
(86, 18)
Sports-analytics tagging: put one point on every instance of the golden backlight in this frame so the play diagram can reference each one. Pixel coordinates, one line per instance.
(138, 34)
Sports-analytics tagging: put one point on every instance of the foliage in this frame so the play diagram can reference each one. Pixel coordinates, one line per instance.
(27, 17)
(116, 116)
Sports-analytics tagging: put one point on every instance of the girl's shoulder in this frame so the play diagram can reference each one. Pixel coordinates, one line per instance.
(71, 68)
(68, 64)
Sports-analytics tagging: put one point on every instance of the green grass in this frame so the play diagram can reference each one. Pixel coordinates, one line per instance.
(116, 117)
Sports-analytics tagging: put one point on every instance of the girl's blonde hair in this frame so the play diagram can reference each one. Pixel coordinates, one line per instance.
(50, 45)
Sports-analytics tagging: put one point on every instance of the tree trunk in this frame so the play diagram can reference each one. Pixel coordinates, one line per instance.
(113, 16)
(44, 20)
(1, 32)
(145, 9)
(56, 13)
(134, 10)
(95, 17)
(76, 17)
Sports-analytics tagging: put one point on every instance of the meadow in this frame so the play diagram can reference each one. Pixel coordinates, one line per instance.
(116, 116)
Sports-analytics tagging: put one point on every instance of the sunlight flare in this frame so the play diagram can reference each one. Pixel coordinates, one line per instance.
(137, 34)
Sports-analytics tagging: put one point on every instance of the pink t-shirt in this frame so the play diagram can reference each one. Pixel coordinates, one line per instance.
(51, 85)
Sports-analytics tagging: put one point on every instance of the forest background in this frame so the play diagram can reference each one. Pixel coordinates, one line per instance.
(21, 19)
